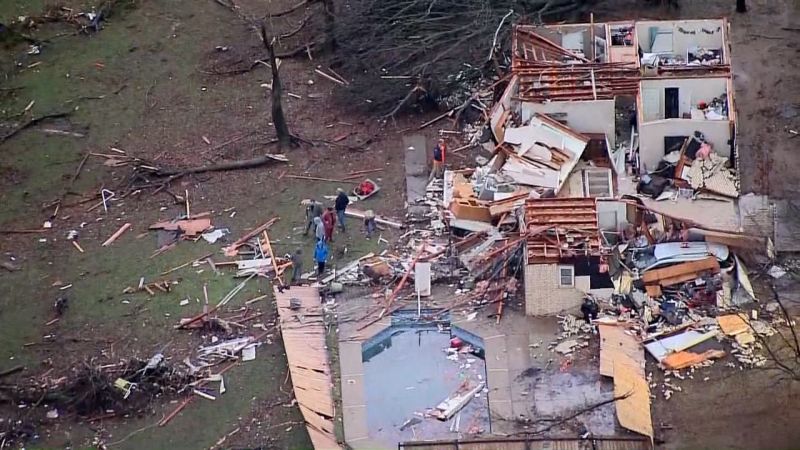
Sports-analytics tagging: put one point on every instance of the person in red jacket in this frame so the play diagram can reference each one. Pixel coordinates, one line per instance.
(329, 222)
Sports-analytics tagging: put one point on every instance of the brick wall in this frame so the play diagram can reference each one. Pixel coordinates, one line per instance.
(544, 296)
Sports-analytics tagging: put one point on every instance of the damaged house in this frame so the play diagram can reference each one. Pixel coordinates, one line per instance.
(607, 132)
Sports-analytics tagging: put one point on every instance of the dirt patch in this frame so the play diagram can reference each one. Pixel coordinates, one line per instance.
(10, 176)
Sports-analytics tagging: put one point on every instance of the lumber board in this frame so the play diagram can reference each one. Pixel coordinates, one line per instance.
(680, 270)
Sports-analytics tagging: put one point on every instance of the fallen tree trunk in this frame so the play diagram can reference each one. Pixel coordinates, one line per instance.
(31, 122)
(233, 165)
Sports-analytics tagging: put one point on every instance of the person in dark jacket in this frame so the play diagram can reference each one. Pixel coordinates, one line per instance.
(437, 171)
(313, 210)
(342, 200)
(589, 309)
(297, 265)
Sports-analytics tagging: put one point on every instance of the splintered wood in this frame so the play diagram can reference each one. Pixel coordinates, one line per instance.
(303, 331)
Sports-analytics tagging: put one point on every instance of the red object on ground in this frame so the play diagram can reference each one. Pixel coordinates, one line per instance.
(366, 187)
(456, 343)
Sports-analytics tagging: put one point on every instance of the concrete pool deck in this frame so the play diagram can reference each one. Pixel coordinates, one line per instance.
(527, 383)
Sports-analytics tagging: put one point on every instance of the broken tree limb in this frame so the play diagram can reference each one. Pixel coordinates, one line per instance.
(290, 10)
(329, 77)
(11, 371)
(234, 165)
(31, 122)
(43, 230)
(71, 184)
(434, 120)
(362, 172)
(496, 33)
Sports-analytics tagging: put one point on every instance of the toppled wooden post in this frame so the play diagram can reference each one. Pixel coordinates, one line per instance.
(117, 234)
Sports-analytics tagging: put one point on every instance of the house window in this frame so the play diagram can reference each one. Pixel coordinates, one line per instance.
(566, 276)
(598, 183)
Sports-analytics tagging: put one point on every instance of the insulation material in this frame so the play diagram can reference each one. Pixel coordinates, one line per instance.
(303, 332)
(712, 175)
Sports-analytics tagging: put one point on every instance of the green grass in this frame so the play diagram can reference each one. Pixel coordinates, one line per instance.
(148, 54)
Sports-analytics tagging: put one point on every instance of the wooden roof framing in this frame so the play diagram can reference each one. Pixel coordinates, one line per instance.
(548, 72)
(561, 228)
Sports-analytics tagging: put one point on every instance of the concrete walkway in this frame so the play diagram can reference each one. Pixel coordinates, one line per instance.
(416, 161)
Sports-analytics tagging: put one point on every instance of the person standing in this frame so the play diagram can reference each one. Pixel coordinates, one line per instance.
(297, 265)
(320, 256)
(329, 222)
(319, 229)
(342, 200)
(369, 222)
(313, 210)
(438, 160)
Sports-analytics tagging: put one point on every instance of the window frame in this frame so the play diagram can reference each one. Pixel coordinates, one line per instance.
(561, 276)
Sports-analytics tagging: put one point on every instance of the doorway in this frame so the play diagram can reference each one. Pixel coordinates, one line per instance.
(671, 103)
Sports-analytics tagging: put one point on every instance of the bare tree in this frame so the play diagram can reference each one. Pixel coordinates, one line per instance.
(278, 118)
(402, 53)
(783, 349)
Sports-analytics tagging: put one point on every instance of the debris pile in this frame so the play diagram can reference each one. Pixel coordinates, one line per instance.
(691, 172)
(91, 390)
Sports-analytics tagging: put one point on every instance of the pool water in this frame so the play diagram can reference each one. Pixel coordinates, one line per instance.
(406, 371)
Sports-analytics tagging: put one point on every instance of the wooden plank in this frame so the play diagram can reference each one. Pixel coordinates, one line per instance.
(116, 234)
(315, 419)
(678, 270)
(653, 290)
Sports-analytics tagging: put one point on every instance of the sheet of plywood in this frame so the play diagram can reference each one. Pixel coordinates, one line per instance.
(633, 411)
(617, 346)
(303, 333)
(733, 324)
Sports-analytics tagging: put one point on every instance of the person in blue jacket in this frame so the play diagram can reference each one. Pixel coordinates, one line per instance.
(320, 256)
